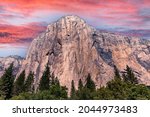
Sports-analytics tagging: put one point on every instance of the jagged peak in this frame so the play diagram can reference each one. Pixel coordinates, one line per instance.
(71, 18)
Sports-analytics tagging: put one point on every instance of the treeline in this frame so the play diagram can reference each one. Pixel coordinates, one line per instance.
(122, 87)
(23, 88)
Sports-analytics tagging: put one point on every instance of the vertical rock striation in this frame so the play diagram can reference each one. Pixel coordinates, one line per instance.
(73, 49)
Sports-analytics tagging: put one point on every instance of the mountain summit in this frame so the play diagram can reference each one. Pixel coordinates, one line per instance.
(73, 49)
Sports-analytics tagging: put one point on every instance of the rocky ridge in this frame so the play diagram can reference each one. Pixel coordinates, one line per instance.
(73, 49)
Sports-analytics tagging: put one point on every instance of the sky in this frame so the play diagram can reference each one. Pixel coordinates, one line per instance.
(22, 20)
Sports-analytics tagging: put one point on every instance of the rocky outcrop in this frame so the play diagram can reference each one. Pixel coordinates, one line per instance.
(6, 61)
(73, 49)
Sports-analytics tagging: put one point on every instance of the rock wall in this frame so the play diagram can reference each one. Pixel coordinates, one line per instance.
(73, 49)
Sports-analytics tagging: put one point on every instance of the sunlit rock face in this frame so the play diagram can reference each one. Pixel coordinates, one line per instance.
(73, 49)
(6, 61)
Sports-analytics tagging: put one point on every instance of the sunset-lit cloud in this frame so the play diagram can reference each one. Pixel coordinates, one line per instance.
(19, 34)
(123, 13)
(22, 20)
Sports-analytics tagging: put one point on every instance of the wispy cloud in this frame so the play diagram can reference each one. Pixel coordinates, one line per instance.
(125, 13)
(17, 16)
(20, 34)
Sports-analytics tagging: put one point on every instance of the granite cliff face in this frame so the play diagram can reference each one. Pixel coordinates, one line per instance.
(73, 49)
(6, 61)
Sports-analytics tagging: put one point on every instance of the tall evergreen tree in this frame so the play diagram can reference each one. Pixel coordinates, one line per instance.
(7, 83)
(80, 85)
(86, 92)
(129, 76)
(90, 83)
(60, 92)
(116, 71)
(29, 83)
(19, 84)
(52, 79)
(45, 80)
(57, 82)
(79, 92)
(73, 91)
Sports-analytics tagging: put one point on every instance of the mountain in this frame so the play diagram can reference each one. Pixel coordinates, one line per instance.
(73, 49)
(6, 61)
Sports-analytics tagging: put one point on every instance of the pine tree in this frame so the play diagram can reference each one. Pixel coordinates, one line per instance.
(80, 85)
(79, 92)
(7, 83)
(45, 80)
(118, 88)
(129, 76)
(116, 71)
(56, 90)
(57, 82)
(19, 84)
(73, 91)
(90, 83)
(53, 79)
(29, 83)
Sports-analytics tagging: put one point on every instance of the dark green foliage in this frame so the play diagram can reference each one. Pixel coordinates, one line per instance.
(103, 94)
(129, 76)
(45, 80)
(119, 89)
(80, 93)
(44, 95)
(56, 82)
(80, 85)
(90, 83)
(19, 86)
(52, 79)
(139, 92)
(7, 80)
(29, 83)
(59, 92)
(50, 89)
(86, 92)
(123, 87)
(54, 93)
(73, 91)
(116, 71)
(24, 96)
(148, 87)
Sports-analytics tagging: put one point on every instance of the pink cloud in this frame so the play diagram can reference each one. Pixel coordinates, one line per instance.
(124, 13)
(19, 34)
